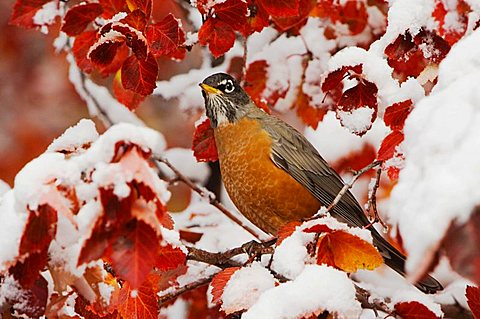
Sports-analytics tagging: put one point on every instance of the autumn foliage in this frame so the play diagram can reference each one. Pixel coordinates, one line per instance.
(96, 239)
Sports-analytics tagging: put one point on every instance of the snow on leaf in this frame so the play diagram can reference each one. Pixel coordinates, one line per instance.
(219, 36)
(389, 145)
(24, 11)
(473, 299)
(413, 310)
(397, 113)
(347, 252)
(219, 282)
(79, 16)
(166, 37)
(203, 144)
(362, 96)
(134, 252)
(32, 302)
(140, 76)
(127, 97)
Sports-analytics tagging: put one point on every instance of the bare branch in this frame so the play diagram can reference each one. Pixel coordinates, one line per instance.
(181, 290)
(372, 202)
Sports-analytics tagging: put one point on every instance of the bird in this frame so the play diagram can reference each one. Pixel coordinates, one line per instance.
(274, 175)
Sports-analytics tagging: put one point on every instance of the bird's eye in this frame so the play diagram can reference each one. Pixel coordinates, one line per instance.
(229, 87)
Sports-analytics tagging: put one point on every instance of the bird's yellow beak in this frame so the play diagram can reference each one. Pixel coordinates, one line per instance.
(209, 89)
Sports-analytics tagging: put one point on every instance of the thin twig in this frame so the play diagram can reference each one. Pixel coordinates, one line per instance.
(180, 290)
(205, 193)
(346, 187)
(244, 67)
(372, 202)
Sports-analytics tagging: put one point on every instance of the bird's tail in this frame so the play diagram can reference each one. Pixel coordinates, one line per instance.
(396, 260)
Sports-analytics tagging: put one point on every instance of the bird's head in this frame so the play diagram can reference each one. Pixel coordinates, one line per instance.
(225, 100)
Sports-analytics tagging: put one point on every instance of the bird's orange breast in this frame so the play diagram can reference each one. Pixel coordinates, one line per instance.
(267, 195)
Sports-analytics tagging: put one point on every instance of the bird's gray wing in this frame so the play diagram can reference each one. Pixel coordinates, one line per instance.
(293, 153)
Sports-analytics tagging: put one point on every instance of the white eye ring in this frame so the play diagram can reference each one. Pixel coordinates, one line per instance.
(229, 87)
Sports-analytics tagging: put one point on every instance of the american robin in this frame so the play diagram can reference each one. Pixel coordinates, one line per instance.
(274, 175)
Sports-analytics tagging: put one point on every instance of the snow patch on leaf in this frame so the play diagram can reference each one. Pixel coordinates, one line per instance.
(358, 121)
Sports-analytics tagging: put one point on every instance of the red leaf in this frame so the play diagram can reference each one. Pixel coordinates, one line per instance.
(79, 16)
(112, 7)
(203, 145)
(121, 55)
(134, 253)
(140, 303)
(256, 82)
(232, 12)
(136, 19)
(132, 38)
(389, 144)
(285, 23)
(27, 271)
(170, 258)
(434, 48)
(319, 228)
(143, 5)
(128, 98)
(80, 49)
(190, 236)
(257, 19)
(280, 8)
(397, 113)
(473, 300)
(334, 78)
(39, 231)
(166, 37)
(219, 282)
(24, 11)
(364, 94)
(414, 310)
(219, 35)
(104, 54)
(354, 14)
(140, 76)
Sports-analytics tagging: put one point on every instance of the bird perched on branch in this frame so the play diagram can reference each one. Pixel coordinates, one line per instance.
(274, 175)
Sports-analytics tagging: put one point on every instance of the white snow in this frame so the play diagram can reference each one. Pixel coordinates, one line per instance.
(439, 183)
(185, 162)
(316, 289)
(83, 133)
(4, 187)
(358, 121)
(245, 287)
(47, 14)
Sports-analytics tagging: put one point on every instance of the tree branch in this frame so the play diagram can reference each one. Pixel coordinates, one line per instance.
(205, 193)
(181, 290)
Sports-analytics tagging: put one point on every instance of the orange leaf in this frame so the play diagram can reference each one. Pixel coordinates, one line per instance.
(473, 299)
(349, 252)
(204, 147)
(219, 36)
(219, 282)
(127, 97)
(286, 230)
(24, 11)
(79, 16)
(281, 8)
(139, 304)
(310, 115)
(319, 228)
(413, 310)
(166, 37)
